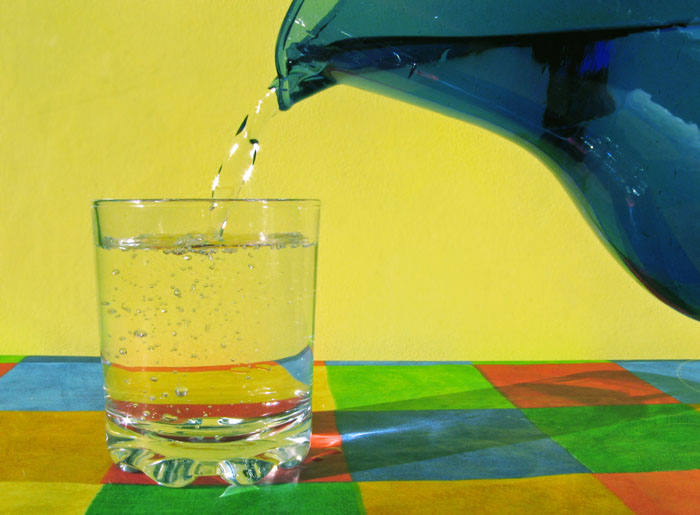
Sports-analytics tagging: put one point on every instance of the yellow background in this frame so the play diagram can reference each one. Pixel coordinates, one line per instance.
(439, 240)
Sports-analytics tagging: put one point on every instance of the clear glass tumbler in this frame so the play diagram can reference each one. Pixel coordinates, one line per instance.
(207, 327)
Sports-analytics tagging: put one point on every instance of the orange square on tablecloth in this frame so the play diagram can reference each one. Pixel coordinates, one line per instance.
(674, 492)
(53, 446)
(551, 385)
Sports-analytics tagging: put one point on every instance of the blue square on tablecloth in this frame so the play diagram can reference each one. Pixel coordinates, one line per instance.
(448, 445)
(53, 385)
(679, 379)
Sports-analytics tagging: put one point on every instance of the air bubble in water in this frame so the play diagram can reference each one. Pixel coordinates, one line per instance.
(181, 391)
(177, 292)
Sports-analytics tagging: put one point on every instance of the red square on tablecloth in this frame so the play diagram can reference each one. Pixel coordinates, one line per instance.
(657, 493)
(553, 385)
(5, 368)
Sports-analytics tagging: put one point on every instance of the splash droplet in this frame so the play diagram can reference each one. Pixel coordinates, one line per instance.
(140, 334)
(115, 272)
(122, 351)
(181, 391)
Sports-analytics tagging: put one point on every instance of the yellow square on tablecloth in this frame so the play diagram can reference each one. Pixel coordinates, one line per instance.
(571, 493)
(322, 399)
(53, 446)
(55, 498)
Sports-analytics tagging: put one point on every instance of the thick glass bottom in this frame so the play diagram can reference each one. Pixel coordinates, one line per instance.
(242, 453)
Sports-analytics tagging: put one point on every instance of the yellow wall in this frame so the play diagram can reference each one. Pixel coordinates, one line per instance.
(438, 239)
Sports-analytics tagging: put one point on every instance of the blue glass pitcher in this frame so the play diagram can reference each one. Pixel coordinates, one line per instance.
(607, 94)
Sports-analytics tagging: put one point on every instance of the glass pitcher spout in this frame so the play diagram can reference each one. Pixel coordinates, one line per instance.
(608, 96)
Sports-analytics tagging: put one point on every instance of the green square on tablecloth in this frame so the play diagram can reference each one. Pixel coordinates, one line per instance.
(408, 387)
(11, 359)
(292, 498)
(631, 438)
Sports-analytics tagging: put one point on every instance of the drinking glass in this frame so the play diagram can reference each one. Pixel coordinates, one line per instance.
(206, 312)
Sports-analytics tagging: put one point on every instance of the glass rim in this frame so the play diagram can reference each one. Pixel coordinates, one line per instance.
(108, 201)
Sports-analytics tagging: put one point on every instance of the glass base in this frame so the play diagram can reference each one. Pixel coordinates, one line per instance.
(176, 461)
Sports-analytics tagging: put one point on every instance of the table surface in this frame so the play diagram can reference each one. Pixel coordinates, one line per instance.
(390, 437)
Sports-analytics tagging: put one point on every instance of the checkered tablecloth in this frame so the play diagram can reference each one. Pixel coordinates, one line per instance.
(390, 437)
